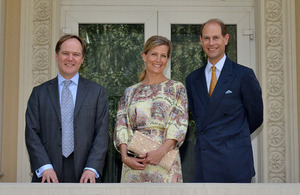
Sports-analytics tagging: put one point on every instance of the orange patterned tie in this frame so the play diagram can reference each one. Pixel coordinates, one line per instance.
(213, 81)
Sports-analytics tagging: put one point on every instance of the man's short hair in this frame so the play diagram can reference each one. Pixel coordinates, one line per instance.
(67, 37)
(216, 21)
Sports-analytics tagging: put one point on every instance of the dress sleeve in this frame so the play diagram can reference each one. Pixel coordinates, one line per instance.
(123, 129)
(178, 120)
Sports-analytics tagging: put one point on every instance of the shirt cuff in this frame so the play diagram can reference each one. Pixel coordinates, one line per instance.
(97, 175)
(42, 169)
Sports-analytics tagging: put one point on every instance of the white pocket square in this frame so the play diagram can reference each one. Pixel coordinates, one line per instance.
(228, 92)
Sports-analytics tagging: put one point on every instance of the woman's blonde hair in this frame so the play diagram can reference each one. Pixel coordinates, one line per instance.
(152, 42)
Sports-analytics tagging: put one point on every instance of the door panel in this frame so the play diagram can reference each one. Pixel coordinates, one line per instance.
(108, 15)
(114, 40)
(242, 51)
(240, 18)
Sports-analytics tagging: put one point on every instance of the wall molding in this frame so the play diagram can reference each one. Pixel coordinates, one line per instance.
(42, 26)
(278, 68)
(38, 32)
(278, 140)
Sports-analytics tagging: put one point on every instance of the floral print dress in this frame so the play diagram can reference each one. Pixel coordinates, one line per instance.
(159, 111)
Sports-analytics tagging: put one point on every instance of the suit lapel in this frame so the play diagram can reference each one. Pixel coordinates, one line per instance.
(82, 91)
(201, 87)
(54, 96)
(222, 86)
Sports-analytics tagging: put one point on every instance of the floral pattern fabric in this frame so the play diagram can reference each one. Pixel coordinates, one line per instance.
(159, 111)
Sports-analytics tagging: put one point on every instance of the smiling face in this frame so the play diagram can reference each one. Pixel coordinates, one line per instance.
(156, 59)
(69, 58)
(213, 42)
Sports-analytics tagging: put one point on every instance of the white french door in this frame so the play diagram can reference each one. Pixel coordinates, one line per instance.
(161, 20)
(241, 17)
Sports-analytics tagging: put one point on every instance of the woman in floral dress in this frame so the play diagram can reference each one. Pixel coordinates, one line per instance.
(158, 108)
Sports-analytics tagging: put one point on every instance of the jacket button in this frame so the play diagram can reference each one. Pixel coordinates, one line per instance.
(201, 132)
(217, 132)
(59, 144)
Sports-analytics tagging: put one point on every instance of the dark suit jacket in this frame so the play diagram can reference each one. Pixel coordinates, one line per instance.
(91, 127)
(223, 151)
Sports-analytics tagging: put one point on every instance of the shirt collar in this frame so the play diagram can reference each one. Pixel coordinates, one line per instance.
(74, 79)
(219, 65)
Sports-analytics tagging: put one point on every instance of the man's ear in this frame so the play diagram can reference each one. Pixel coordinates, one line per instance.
(226, 39)
(56, 56)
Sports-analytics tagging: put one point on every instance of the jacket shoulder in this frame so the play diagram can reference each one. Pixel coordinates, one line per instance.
(90, 83)
(46, 84)
(194, 74)
(240, 68)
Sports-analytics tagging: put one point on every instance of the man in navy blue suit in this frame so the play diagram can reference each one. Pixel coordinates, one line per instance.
(226, 104)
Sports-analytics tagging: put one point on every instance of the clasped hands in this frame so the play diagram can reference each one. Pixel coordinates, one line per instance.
(139, 163)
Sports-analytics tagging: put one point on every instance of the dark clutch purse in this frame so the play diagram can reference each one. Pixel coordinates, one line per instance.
(141, 144)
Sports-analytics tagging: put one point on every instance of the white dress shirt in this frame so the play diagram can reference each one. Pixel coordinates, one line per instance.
(219, 66)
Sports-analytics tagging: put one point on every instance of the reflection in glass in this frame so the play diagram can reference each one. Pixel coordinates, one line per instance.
(114, 60)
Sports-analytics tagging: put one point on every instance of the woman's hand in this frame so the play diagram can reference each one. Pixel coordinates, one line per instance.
(134, 163)
(154, 157)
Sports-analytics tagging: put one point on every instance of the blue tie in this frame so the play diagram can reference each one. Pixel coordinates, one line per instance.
(67, 115)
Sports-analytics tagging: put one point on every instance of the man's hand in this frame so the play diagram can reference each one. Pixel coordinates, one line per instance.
(88, 175)
(49, 176)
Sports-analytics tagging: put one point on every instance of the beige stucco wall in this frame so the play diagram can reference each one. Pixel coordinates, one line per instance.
(297, 5)
(11, 89)
(11, 85)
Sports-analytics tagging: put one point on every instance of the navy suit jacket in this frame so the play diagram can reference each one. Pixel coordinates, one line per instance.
(91, 127)
(223, 151)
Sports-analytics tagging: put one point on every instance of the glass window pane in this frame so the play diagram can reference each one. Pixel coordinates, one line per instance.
(187, 56)
(114, 60)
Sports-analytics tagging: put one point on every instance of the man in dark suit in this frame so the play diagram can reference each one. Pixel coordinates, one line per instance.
(67, 125)
(226, 104)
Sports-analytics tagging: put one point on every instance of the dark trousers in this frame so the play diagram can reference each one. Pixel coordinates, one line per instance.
(68, 171)
(244, 181)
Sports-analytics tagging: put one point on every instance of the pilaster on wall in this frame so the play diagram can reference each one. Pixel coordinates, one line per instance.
(278, 68)
(41, 41)
(38, 33)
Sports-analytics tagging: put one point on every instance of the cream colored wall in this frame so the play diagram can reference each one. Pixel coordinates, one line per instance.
(11, 88)
(11, 80)
(297, 5)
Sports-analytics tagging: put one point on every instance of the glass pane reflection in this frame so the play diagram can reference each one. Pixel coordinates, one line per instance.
(114, 60)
